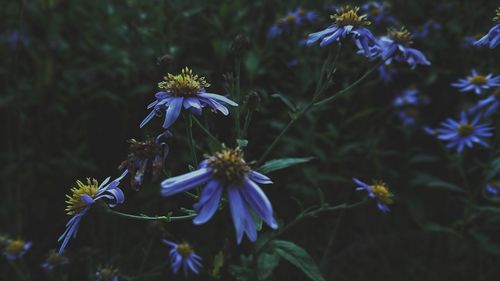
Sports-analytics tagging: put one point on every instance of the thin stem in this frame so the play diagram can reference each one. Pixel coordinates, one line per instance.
(206, 131)
(18, 271)
(148, 218)
(237, 93)
(189, 132)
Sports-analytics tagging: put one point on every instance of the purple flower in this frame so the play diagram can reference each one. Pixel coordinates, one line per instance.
(53, 261)
(487, 106)
(82, 197)
(227, 170)
(16, 37)
(492, 38)
(107, 273)
(477, 83)
(426, 29)
(15, 249)
(187, 91)
(293, 18)
(182, 255)
(378, 12)
(378, 191)
(347, 23)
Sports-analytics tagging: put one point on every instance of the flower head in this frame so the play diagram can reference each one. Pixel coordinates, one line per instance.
(183, 255)
(227, 170)
(424, 31)
(53, 261)
(15, 38)
(379, 191)
(477, 83)
(406, 105)
(493, 188)
(151, 152)
(295, 17)
(492, 38)
(378, 12)
(464, 132)
(107, 273)
(16, 248)
(184, 90)
(488, 105)
(82, 197)
(347, 22)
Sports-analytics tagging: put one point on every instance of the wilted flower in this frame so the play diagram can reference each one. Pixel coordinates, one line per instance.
(82, 197)
(143, 154)
(477, 83)
(184, 90)
(396, 46)
(54, 260)
(463, 132)
(15, 248)
(293, 18)
(227, 170)
(492, 38)
(106, 273)
(378, 12)
(347, 22)
(378, 191)
(183, 255)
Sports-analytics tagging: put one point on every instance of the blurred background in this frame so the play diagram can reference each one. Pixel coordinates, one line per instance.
(76, 76)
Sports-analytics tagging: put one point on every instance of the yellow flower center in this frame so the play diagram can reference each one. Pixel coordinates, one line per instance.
(382, 192)
(478, 79)
(15, 247)
(290, 18)
(184, 84)
(184, 249)
(74, 200)
(402, 36)
(348, 15)
(229, 166)
(465, 129)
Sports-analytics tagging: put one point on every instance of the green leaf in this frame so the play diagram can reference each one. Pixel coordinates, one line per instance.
(266, 263)
(298, 257)
(285, 100)
(279, 164)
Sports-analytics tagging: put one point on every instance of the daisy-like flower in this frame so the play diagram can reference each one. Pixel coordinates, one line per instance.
(82, 197)
(107, 273)
(378, 12)
(492, 38)
(53, 261)
(477, 83)
(293, 18)
(143, 154)
(396, 46)
(379, 191)
(185, 90)
(489, 105)
(183, 255)
(16, 248)
(406, 104)
(227, 170)
(463, 132)
(347, 22)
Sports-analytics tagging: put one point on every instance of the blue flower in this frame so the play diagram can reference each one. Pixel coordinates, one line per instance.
(16, 37)
(493, 188)
(463, 132)
(107, 273)
(492, 38)
(487, 106)
(386, 72)
(184, 90)
(378, 191)
(151, 152)
(54, 260)
(82, 197)
(293, 18)
(182, 255)
(347, 22)
(16, 248)
(227, 170)
(378, 12)
(477, 83)
(406, 104)
(395, 46)
(425, 30)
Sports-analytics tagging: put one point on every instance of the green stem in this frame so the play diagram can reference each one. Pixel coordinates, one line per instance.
(148, 218)
(189, 132)
(18, 271)
(206, 131)
(237, 93)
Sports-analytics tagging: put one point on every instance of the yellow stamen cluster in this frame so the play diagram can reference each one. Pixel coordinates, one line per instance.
(184, 84)
(15, 247)
(184, 249)
(382, 193)
(74, 201)
(478, 79)
(229, 166)
(465, 129)
(402, 36)
(348, 15)
(497, 17)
